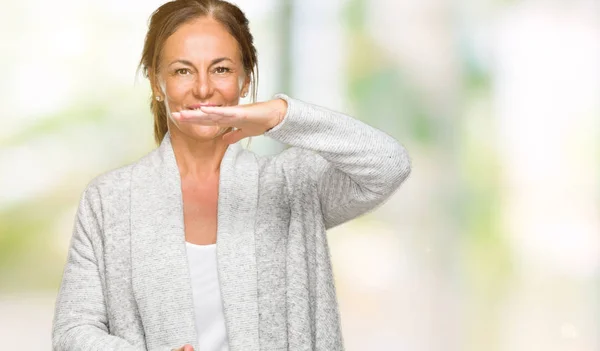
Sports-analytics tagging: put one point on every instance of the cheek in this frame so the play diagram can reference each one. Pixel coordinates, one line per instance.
(229, 89)
(177, 88)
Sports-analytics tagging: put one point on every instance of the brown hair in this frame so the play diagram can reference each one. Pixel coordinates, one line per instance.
(168, 18)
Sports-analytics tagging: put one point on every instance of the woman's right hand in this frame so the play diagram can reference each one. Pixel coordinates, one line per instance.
(186, 347)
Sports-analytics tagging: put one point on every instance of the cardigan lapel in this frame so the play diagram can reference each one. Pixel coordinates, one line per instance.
(236, 256)
(160, 274)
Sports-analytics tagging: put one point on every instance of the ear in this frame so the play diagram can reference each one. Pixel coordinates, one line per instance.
(154, 85)
(246, 85)
(156, 93)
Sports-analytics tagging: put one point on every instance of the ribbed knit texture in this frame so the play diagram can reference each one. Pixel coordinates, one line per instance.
(126, 283)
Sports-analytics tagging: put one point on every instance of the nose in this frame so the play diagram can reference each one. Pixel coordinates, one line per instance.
(203, 86)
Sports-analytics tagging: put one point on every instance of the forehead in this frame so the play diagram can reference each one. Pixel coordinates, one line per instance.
(201, 39)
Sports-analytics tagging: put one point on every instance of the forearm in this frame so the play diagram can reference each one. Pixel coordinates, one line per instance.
(369, 156)
(359, 168)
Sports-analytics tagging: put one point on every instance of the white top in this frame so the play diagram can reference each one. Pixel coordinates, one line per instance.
(208, 306)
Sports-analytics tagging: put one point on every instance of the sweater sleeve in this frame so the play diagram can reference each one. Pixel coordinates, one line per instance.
(362, 166)
(80, 317)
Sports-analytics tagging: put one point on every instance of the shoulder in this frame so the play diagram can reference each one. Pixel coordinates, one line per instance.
(105, 191)
(113, 186)
(114, 180)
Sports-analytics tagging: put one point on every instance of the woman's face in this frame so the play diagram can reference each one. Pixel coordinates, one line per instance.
(200, 64)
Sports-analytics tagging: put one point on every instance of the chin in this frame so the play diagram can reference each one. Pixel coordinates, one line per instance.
(203, 133)
(196, 132)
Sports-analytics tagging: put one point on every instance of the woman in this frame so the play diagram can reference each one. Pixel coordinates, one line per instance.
(201, 243)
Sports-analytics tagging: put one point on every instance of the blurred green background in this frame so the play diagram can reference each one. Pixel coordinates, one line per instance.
(493, 243)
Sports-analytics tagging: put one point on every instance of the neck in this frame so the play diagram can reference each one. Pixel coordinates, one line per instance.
(198, 160)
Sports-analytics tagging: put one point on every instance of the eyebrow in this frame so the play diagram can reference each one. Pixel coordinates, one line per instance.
(213, 62)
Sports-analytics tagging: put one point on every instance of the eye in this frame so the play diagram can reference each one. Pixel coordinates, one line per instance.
(182, 71)
(222, 69)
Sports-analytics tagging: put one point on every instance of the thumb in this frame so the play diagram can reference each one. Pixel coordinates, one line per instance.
(188, 347)
(234, 136)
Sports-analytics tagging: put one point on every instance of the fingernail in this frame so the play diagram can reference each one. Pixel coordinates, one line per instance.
(175, 114)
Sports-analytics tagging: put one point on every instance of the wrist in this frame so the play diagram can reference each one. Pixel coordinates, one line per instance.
(280, 112)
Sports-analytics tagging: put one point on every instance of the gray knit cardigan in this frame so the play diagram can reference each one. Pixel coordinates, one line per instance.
(126, 283)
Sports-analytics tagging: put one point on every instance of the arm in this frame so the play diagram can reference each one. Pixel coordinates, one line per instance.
(362, 165)
(80, 318)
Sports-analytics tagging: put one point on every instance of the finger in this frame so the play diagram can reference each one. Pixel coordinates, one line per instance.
(228, 111)
(199, 117)
(202, 122)
(194, 117)
(190, 114)
(234, 136)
